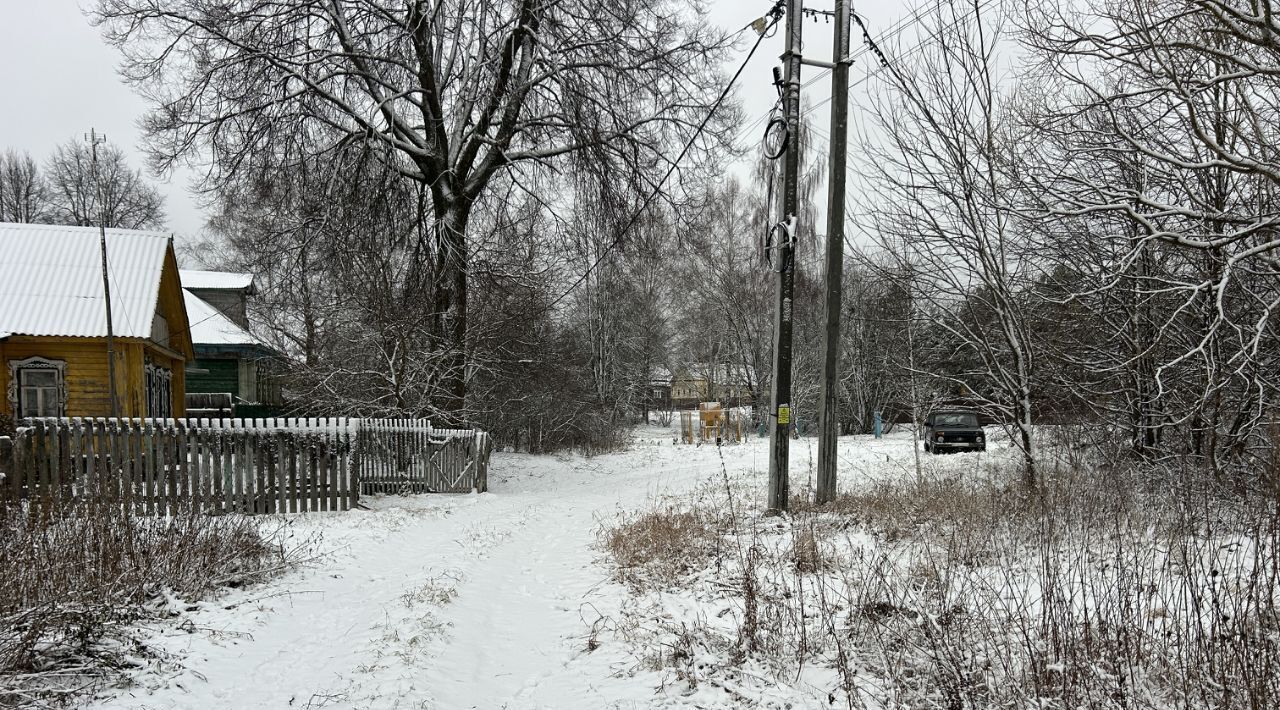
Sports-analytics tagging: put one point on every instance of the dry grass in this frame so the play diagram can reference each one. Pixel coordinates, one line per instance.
(805, 553)
(1124, 588)
(662, 545)
(77, 573)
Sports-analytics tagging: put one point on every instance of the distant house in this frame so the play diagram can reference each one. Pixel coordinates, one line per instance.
(233, 366)
(658, 395)
(53, 323)
(697, 382)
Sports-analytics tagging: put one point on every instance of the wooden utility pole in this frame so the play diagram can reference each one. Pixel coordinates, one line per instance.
(829, 399)
(779, 438)
(94, 139)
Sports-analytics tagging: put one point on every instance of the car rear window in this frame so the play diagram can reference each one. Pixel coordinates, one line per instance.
(955, 419)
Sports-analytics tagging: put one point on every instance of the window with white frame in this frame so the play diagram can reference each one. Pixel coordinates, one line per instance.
(37, 387)
(159, 391)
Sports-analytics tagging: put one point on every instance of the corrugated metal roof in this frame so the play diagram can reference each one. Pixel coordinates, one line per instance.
(227, 280)
(51, 280)
(210, 327)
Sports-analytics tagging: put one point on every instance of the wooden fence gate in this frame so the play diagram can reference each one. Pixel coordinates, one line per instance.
(160, 466)
(406, 456)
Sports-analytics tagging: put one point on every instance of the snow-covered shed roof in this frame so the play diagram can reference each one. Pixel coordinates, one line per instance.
(219, 280)
(210, 327)
(51, 280)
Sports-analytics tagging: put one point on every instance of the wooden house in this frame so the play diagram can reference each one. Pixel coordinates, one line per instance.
(53, 323)
(694, 383)
(232, 364)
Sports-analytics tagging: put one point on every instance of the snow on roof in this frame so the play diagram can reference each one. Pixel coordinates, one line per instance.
(51, 280)
(220, 280)
(210, 327)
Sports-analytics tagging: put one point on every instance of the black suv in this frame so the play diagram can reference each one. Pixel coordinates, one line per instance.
(953, 430)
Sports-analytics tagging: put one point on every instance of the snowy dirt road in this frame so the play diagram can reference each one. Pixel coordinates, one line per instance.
(451, 602)
(475, 601)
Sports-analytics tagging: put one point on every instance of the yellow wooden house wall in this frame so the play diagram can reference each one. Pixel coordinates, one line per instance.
(86, 373)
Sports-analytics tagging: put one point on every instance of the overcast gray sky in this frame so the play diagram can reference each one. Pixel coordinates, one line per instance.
(59, 80)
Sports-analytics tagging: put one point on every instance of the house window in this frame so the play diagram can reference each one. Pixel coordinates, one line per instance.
(159, 391)
(37, 387)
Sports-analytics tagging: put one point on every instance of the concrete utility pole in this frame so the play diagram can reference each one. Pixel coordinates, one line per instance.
(779, 438)
(829, 400)
(94, 139)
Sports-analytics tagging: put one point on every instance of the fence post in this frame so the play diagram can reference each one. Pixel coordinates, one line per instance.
(10, 474)
(39, 481)
(483, 446)
(353, 474)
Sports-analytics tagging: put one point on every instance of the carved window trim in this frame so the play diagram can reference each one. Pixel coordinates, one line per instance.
(158, 384)
(36, 363)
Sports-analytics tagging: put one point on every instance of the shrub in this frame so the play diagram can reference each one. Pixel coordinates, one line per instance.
(661, 545)
(77, 572)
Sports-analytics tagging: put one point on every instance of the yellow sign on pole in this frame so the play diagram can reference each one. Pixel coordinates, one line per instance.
(784, 414)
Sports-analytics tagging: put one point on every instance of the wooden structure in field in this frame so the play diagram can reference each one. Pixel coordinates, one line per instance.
(711, 423)
(161, 466)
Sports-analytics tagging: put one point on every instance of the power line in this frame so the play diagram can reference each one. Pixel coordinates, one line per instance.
(902, 24)
(893, 30)
(872, 46)
(918, 46)
(775, 15)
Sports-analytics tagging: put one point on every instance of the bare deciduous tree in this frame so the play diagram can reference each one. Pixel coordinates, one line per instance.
(115, 194)
(946, 190)
(24, 193)
(457, 92)
(1176, 100)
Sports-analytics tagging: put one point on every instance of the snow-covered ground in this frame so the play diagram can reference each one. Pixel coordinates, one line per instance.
(469, 601)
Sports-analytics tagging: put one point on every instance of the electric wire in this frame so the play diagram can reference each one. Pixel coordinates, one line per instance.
(893, 30)
(886, 64)
(644, 205)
